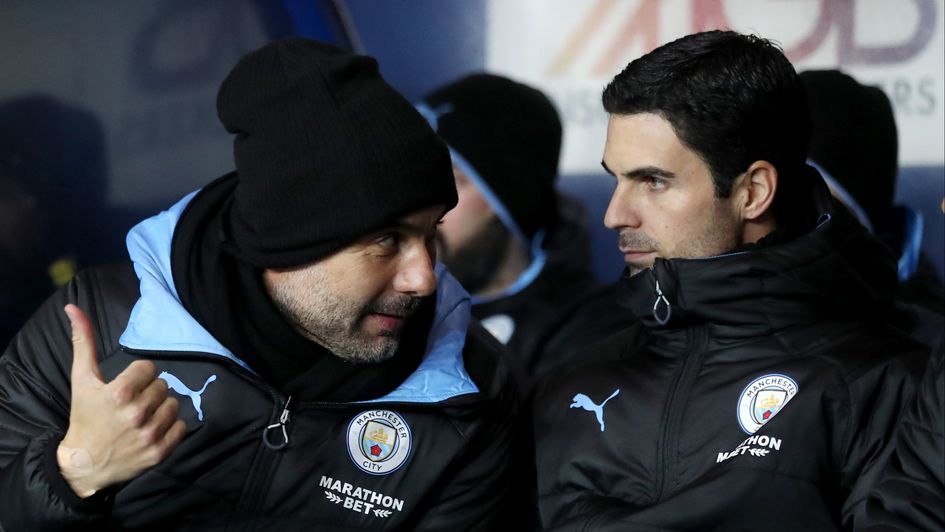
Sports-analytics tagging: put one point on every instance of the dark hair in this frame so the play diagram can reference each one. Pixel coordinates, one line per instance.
(733, 99)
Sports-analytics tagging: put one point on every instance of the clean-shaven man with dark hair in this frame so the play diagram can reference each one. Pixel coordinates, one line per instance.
(763, 385)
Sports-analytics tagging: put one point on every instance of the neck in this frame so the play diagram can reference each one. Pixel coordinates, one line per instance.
(515, 259)
(755, 230)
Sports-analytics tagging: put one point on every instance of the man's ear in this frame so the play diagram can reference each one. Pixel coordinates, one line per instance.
(754, 191)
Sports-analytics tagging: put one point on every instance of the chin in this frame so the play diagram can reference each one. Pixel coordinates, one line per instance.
(380, 350)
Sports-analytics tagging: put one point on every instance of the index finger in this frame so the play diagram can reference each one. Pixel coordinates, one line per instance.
(134, 378)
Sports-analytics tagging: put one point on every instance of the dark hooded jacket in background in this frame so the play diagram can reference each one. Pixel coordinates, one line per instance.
(910, 494)
(855, 144)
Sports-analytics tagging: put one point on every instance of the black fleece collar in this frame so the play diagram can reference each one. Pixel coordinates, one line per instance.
(835, 270)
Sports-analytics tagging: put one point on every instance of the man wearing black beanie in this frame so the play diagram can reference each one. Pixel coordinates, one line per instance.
(855, 146)
(507, 240)
(283, 350)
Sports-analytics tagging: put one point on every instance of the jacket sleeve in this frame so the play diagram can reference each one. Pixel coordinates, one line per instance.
(877, 398)
(484, 490)
(34, 414)
(910, 494)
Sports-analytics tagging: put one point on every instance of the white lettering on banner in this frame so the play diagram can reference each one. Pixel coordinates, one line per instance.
(358, 499)
(571, 48)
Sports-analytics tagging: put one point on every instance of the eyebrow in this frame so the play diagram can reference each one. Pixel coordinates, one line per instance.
(401, 227)
(643, 171)
(408, 228)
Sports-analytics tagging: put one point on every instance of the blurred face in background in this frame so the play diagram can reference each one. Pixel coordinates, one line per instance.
(472, 240)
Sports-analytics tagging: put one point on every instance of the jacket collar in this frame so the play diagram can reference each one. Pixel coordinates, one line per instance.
(835, 271)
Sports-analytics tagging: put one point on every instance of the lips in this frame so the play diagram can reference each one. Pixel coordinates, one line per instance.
(390, 316)
(387, 321)
(634, 253)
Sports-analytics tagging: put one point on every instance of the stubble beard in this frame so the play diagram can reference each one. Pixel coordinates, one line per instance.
(638, 241)
(327, 318)
(721, 236)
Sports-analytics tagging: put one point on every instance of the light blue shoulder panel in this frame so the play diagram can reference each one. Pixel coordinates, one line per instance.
(158, 320)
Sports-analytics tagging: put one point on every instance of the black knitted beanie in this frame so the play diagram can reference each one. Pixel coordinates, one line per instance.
(511, 134)
(326, 151)
(854, 139)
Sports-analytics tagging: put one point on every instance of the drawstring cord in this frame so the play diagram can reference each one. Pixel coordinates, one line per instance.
(283, 419)
(656, 304)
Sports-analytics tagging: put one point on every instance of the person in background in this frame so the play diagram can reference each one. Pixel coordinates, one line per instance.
(766, 385)
(855, 146)
(24, 257)
(282, 352)
(518, 246)
(54, 218)
(910, 494)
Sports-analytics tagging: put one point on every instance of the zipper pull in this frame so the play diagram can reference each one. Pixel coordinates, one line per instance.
(669, 308)
(283, 420)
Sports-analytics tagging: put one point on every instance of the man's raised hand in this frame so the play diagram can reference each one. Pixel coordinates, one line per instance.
(116, 429)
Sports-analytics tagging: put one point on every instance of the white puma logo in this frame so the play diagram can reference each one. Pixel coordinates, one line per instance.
(175, 384)
(583, 401)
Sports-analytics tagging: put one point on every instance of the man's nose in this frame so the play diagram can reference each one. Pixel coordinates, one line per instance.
(416, 276)
(621, 211)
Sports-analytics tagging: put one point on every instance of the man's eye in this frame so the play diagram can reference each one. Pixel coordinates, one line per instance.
(655, 183)
(388, 241)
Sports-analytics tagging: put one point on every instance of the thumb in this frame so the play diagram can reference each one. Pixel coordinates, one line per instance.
(84, 361)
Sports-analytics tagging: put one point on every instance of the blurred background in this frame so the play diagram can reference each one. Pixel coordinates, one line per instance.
(107, 109)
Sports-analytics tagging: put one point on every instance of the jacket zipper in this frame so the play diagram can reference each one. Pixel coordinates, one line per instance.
(676, 405)
(275, 438)
(697, 338)
(275, 435)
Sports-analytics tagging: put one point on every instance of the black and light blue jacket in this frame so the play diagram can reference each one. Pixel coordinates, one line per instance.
(435, 452)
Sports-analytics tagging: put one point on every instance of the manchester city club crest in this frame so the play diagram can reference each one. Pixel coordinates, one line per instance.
(762, 399)
(378, 441)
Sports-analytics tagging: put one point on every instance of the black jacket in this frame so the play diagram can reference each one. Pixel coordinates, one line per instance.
(759, 392)
(435, 453)
(910, 494)
(550, 322)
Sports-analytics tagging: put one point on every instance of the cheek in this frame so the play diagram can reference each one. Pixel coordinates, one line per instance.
(359, 279)
(671, 215)
(466, 219)
(710, 231)
(679, 220)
